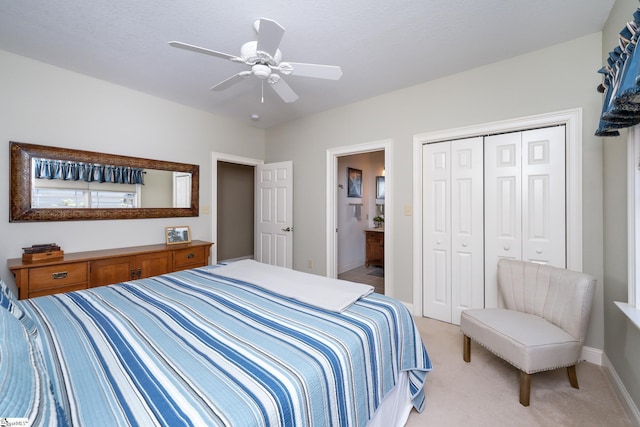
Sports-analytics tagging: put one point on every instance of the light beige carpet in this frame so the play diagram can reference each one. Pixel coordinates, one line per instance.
(485, 391)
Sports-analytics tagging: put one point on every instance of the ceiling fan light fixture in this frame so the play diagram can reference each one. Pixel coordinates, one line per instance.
(261, 71)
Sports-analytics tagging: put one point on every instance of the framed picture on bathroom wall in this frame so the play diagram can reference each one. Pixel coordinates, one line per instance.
(354, 182)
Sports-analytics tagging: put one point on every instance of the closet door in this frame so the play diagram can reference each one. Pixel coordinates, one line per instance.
(503, 206)
(453, 276)
(524, 201)
(543, 196)
(436, 239)
(467, 224)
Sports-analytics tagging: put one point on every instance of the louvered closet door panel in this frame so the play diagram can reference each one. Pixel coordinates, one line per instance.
(467, 223)
(503, 206)
(543, 196)
(436, 239)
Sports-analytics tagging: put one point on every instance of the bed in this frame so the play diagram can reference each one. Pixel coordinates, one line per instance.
(234, 345)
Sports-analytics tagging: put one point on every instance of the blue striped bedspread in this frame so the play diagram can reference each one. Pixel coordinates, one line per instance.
(190, 348)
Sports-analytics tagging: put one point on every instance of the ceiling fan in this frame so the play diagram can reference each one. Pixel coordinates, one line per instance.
(265, 61)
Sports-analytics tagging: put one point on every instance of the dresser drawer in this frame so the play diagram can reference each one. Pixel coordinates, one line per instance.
(57, 276)
(189, 257)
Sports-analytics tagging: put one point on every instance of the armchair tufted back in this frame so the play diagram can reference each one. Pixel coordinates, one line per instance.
(562, 297)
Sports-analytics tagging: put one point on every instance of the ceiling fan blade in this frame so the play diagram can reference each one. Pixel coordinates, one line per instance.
(198, 49)
(329, 72)
(269, 36)
(284, 91)
(231, 81)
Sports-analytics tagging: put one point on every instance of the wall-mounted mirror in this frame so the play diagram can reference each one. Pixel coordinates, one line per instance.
(380, 187)
(60, 184)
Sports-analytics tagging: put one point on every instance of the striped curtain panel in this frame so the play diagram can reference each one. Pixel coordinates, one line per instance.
(621, 82)
(89, 172)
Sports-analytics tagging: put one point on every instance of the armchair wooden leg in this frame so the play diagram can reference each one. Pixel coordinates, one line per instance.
(466, 353)
(573, 377)
(525, 388)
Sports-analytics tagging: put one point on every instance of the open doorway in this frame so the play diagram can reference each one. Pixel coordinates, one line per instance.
(220, 211)
(270, 216)
(340, 206)
(360, 218)
(235, 202)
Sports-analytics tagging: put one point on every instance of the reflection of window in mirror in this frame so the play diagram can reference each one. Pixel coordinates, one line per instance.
(65, 185)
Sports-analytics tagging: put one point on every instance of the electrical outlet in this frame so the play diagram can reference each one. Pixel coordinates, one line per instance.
(204, 209)
(407, 210)
(310, 264)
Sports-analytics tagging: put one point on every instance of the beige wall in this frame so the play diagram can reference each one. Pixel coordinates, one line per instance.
(554, 79)
(622, 338)
(46, 105)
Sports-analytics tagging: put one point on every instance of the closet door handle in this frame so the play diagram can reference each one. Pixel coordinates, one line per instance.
(464, 245)
(538, 251)
(507, 247)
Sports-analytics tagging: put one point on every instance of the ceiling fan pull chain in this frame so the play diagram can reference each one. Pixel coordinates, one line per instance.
(262, 94)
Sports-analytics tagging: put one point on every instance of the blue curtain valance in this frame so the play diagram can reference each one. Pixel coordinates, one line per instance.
(89, 172)
(621, 82)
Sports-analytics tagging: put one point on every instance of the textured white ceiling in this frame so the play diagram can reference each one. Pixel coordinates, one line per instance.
(381, 45)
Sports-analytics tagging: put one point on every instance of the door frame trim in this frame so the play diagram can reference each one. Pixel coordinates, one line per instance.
(331, 204)
(571, 119)
(215, 157)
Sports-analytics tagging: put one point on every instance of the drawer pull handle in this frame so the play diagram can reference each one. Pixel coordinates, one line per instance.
(189, 256)
(59, 275)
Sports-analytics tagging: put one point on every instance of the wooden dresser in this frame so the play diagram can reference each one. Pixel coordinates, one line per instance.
(82, 270)
(374, 247)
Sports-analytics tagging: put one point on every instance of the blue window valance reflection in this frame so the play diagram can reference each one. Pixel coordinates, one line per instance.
(89, 172)
(621, 82)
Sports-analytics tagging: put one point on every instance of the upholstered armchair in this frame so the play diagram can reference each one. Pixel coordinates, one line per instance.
(542, 325)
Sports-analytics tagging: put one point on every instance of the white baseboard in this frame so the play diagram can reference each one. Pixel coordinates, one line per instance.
(628, 403)
(591, 355)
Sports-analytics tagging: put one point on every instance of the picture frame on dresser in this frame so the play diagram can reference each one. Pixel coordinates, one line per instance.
(178, 235)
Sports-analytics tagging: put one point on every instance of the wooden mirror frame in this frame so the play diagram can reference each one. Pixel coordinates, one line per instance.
(21, 156)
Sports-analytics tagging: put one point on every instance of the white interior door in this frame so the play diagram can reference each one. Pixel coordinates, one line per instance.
(543, 196)
(525, 208)
(436, 239)
(503, 206)
(453, 242)
(181, 190)
(467, 224)
(274, 214)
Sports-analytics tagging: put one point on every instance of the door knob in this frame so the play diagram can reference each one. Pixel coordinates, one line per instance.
(287, 229)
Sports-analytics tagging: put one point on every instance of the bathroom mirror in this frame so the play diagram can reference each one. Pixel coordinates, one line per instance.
(379, 187)
(60, 184)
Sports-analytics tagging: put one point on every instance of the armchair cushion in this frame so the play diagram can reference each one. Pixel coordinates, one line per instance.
(527, 341)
